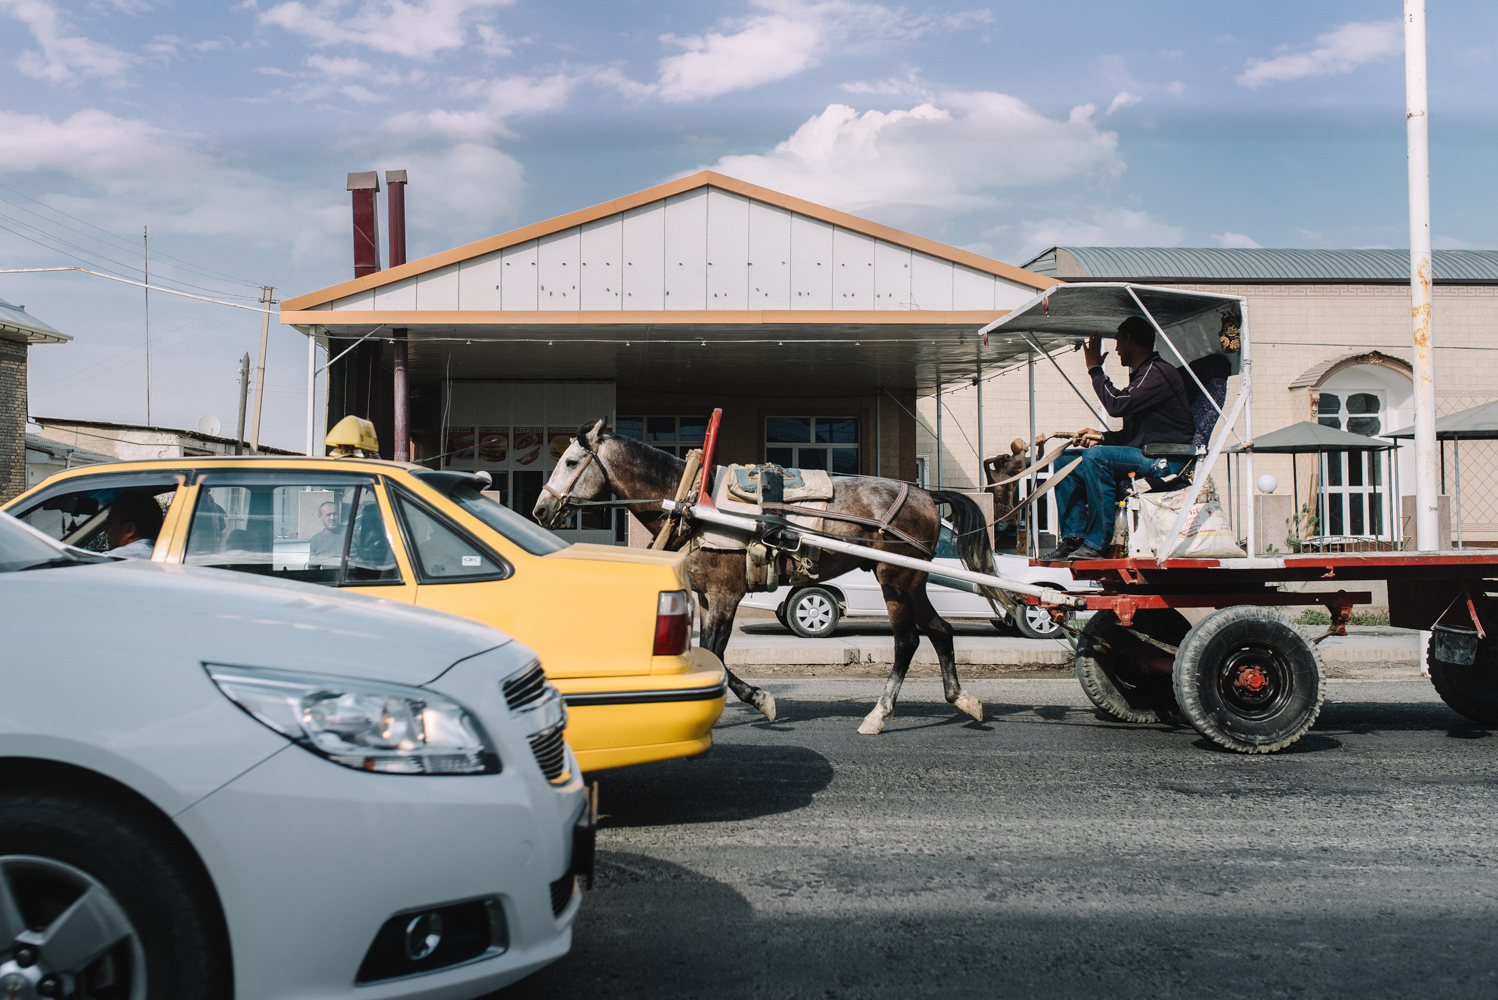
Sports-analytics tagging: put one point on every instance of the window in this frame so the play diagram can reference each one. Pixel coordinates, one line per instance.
(443, 554)
(76, 511)
(1353, 496)
(521, 530)
(827, 443)
(328, 530)
(677, 435)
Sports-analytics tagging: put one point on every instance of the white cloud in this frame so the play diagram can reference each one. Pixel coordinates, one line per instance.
(930, 161)
(1123, 100)
(64, 57)
(1339, 51)
(416, 30)
(1236, 241)
(785, 38)
(1106, 227)
(500, 100)
(117, 171)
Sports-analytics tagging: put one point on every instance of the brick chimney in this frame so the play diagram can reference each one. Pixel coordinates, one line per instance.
(365, 186)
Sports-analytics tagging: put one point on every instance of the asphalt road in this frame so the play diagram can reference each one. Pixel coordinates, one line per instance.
(1047, 853)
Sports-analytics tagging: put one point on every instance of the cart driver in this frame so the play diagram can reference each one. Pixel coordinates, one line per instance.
(1154, 409)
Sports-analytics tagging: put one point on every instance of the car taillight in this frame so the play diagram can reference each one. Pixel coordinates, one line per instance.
(673, 623)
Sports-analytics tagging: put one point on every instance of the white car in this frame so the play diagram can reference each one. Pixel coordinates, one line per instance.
(813, 611)
(213, 787)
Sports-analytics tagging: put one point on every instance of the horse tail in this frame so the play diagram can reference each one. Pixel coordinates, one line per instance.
(973, 545)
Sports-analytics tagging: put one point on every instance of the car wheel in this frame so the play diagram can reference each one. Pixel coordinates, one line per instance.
(96, 903)
(1035, 622)
(780, 614)
(812, 613)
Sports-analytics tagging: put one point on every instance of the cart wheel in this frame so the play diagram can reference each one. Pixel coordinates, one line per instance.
(1247, 680)
(1127, 679)
(1469, 688)
(1035, 622)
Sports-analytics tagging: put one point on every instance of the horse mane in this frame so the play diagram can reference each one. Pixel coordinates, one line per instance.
(652, 461)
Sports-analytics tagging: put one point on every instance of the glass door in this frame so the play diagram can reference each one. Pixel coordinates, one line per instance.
(1354, 497)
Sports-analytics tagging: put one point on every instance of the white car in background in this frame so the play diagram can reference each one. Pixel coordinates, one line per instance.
(219, 786)
(813, 611)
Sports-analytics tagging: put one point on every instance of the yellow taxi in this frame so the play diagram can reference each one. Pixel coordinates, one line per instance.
(611, 625)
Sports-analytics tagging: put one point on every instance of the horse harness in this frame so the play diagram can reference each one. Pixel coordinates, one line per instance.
(883, 525)
(564, 496)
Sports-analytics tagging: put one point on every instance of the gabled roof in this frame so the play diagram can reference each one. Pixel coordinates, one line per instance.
(705, 178)
(1259, 264)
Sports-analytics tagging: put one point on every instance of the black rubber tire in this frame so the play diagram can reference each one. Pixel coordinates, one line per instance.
(164, 894)
(812, 612)
(1469, 688)
(1027, 629)
(1002, 625)
(1228, 646)
(780, 615)
(1108, 675)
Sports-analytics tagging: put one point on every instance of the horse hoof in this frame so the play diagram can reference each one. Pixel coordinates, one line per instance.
(873, 724)
(972, 706)
(764, 701)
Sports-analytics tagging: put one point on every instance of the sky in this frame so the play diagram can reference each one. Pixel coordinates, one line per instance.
(227, 131)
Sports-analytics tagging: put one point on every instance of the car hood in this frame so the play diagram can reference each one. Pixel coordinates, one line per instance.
(209, 615)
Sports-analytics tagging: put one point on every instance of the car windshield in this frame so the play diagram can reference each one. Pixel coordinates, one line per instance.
(461, 490)
(23, 547)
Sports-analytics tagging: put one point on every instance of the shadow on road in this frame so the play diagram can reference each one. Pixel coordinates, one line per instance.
(733, 782)
(875, 626)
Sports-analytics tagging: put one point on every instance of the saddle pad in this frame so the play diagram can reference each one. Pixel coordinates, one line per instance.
(800, 484)
(713, 538)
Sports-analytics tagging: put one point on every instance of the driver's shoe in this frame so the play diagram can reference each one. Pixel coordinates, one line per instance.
(1062, 551)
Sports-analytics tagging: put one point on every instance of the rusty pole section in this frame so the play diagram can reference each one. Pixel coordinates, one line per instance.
(1427, 522)
(395, 184)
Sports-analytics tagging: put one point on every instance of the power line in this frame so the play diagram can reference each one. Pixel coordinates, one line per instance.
(124, 243)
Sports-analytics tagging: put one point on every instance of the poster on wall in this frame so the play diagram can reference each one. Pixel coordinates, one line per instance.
(528, 442)
(561, 439)
(494, 445)
(459, 445)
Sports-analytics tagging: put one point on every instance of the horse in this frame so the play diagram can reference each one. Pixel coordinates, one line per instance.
(599, 462)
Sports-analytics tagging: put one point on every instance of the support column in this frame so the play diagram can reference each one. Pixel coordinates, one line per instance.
(1427, 514)
(395, 181)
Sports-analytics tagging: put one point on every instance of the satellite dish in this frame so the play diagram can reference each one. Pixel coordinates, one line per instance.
(208, 424)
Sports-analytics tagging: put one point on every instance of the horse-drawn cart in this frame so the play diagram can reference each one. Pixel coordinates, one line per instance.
(1244, 675)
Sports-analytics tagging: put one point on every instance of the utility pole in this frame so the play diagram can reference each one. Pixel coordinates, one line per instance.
(244, 398)
(1417, 133)
(146, 240)
(260, 369)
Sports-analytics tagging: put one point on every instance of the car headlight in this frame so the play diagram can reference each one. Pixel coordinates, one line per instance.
(366, 725)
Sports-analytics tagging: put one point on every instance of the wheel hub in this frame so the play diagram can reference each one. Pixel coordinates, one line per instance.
(1253, 681)
(1250, 681)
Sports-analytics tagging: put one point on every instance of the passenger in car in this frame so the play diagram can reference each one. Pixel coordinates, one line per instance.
(325, 549)
(134, 522)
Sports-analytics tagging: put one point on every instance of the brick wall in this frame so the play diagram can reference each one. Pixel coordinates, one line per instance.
(12, 418)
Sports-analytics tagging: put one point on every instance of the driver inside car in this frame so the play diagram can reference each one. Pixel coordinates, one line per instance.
(134, 523)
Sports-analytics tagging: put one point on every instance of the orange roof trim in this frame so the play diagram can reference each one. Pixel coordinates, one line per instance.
(705, 178)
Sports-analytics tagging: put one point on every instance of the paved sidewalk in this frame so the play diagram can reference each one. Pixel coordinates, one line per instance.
(762, 647)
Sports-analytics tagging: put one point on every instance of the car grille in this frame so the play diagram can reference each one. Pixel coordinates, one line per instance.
(550, 751)
(525, 688)
(561, 893)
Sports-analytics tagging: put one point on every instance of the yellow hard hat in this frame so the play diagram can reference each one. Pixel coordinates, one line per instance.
(353, 434)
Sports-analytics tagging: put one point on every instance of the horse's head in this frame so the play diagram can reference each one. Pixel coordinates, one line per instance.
(579, 475)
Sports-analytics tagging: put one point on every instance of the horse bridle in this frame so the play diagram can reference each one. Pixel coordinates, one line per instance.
(564, 495)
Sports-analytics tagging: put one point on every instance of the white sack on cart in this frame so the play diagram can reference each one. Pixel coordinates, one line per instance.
(1206, 534)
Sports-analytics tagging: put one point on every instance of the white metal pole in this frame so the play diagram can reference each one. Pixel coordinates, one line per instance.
(1032, 539)
(260, 370)
(938, 431)
(311, 389)
(1246, 389)
(145, 236)
(1456, 461)
(978, 381)
(1417, 133)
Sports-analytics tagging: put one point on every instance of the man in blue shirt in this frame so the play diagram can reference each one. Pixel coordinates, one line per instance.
(1154, 408)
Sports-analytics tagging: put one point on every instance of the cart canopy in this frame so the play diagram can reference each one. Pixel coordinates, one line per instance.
(1480, 423)
(1198, 324)
(1308, 438)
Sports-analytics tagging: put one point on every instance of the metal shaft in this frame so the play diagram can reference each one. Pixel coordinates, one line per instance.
(244, 396)
(1417, 134)
(699, 512)
(311, 386)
